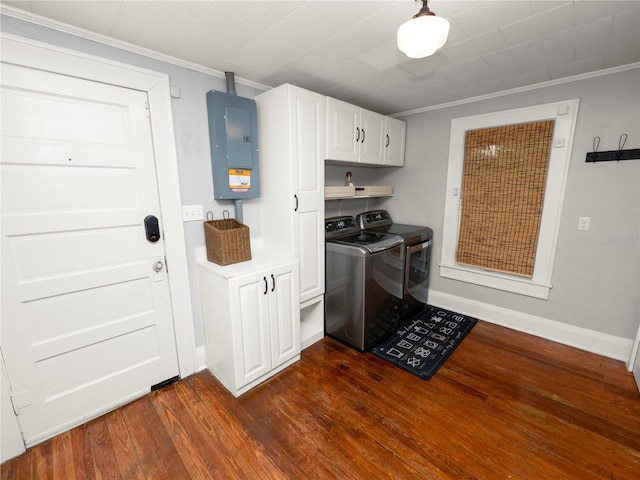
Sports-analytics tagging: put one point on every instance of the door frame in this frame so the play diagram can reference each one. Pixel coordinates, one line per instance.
(33, 54)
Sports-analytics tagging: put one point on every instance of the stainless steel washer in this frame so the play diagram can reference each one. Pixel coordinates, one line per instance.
(364, 278)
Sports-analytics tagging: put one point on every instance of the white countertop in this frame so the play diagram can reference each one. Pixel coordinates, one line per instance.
(260, 259)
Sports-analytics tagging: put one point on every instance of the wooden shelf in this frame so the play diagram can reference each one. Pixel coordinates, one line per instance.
(353, 197)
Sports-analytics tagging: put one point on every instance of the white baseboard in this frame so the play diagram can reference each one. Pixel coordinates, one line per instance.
(595, 342)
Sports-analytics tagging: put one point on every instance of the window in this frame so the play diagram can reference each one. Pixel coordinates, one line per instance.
(468, 248)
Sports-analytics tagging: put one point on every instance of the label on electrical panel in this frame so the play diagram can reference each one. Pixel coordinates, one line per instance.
(239, 179)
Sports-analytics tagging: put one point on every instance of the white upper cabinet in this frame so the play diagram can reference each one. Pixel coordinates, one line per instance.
(395, 134)
(354, 135)
(371, 137)
(343, 131)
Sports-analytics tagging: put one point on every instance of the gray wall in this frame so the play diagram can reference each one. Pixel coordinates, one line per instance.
(191, 134)
(596, 275)
(595, 278)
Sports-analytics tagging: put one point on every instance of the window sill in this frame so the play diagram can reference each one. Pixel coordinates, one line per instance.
(508, 283)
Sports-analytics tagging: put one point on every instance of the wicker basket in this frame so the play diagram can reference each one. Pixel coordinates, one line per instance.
(227, 241)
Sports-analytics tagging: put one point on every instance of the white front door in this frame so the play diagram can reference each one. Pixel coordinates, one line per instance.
(636, 370)
(86, 320)
(634, 359)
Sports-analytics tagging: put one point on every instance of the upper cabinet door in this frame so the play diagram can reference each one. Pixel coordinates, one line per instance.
(354, 135)
(372, 133)
(343, 131)
(394, 139)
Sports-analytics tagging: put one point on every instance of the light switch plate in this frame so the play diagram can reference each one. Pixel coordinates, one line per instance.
(191, 213)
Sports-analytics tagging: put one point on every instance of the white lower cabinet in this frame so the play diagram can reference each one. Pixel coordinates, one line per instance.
(251, 319)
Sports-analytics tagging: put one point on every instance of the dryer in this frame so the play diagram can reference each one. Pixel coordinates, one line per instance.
(416, 255)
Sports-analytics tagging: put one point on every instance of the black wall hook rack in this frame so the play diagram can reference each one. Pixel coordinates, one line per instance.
(613, 155)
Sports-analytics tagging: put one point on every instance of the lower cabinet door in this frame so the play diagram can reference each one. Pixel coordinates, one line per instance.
(284, 314)
(251, 330)
(266, 329)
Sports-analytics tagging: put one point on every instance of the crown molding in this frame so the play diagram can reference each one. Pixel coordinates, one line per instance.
(527, 88)
(122, 45)
(106, 40)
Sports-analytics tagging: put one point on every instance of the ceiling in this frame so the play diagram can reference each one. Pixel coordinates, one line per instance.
(347, 49)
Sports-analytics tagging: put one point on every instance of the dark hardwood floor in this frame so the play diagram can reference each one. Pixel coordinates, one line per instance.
(504, 405)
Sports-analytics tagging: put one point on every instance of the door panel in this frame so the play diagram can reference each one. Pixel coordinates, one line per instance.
(85, 327)
(308, 117)
(343, 132)
(372, 148)
(253, 357)
(37, 187)
(285, 315)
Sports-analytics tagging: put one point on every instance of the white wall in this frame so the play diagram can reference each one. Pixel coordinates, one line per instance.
(596, 283)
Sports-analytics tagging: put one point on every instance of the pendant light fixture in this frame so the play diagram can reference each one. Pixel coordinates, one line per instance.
(423, 34)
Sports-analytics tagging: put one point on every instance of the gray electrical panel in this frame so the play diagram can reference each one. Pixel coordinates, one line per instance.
(233, 133)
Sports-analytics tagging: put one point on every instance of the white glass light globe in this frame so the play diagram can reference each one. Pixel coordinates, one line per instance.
(422, 36)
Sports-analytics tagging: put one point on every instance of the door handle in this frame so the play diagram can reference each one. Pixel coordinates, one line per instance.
(296, 197)
(266, 285)
(273, 283)
(358, 135)
(158, 267)
(362, 141)
(387, 141)
(152, 229)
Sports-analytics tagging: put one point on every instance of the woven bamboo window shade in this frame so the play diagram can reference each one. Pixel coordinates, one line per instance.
(503, 183)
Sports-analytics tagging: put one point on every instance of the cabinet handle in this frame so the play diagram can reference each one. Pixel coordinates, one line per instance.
(266, 285)
(387, 141)
(296, 197)
(273, 283)
(358, 136)
(362, 141)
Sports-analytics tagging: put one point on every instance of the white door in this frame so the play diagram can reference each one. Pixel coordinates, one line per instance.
(307, 120)
(343, 131)
(634, 359)
(394, 141)
(636, 370)
(372, 135)
(284, 314)
(251, 345)
(86, 320)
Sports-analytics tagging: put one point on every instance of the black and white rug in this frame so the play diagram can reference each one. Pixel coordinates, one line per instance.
(423, 344)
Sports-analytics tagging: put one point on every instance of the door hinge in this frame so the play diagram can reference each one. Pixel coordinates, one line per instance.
(146, 109)
(20, 400)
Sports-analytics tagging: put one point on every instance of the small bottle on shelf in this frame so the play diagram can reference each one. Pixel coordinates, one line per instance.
(348, 181)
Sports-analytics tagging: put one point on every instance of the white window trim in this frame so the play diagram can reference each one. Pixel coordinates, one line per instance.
(564, 113)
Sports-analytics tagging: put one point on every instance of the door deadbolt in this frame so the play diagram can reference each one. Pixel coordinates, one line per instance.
(152, 229)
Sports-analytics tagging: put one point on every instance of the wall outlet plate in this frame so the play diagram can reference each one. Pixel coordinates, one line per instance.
(583, 223)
